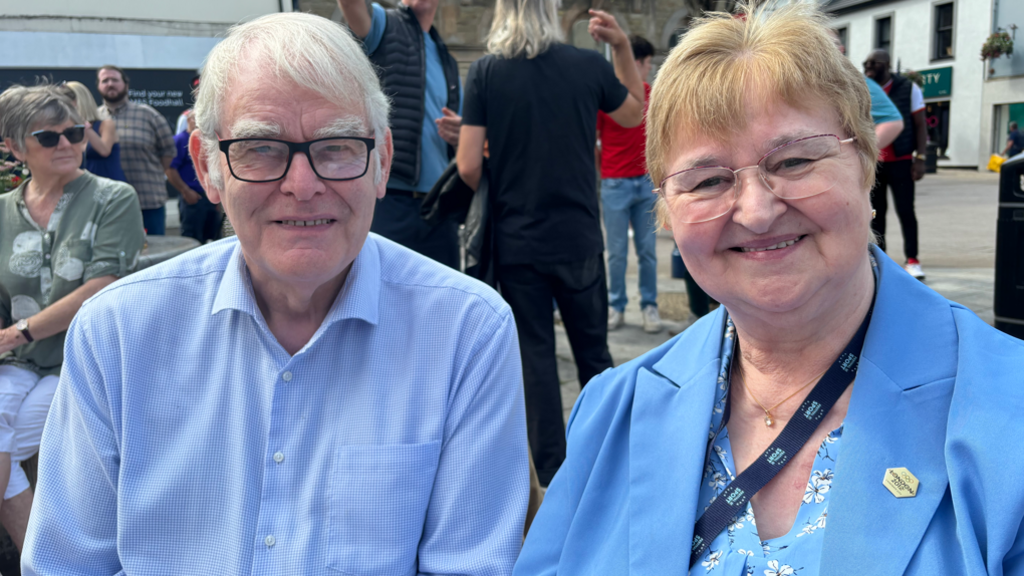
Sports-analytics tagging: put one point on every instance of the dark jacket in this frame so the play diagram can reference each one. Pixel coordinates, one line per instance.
(899, 93)
(452, 198)
(401, 64)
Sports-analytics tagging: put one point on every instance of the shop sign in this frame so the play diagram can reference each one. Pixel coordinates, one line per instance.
(937, 82)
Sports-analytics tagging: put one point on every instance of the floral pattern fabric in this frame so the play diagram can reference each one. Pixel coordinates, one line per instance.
(738, 550)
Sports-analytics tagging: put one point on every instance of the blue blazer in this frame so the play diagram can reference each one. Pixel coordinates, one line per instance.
(938, 392)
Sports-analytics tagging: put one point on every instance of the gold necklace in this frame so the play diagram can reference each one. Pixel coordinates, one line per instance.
(768, 420)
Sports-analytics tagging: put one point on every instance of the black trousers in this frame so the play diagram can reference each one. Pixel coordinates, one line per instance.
(898, 177)
(397, 218)
(581, 291)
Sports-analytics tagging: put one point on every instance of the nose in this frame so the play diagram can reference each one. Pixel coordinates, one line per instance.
(301, 181)
(756, 207)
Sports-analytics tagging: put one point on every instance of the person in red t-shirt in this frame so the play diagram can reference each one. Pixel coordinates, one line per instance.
(627, 198)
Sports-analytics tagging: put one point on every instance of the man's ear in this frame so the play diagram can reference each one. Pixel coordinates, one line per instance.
(199, 161)
(386, 151)
(14, 149)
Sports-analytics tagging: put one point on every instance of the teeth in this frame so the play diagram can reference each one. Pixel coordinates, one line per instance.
(305, 222)
(775, 247)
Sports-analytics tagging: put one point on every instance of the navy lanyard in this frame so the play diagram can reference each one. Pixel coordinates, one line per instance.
(793, 437)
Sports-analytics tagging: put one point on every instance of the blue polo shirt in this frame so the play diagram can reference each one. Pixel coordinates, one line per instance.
(434, 150)
(882, 108)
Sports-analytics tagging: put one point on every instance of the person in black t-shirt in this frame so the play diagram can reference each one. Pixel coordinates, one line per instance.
(535, 100)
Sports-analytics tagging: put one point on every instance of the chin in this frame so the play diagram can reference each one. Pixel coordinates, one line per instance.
(776, 296)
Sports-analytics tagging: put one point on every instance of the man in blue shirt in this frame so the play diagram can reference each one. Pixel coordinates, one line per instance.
(1015, 143)
(421, 79)
(200, 218)
(305, 399)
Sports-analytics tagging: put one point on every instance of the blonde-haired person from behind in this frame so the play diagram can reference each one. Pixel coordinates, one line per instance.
(103, 152)
(834, 415)
(536, 101)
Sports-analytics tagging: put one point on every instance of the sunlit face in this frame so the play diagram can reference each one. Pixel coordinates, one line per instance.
(112, 86)
(830, 230)
(62, 160)
(265, 215)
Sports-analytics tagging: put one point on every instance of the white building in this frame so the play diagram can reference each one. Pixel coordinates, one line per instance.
(942, 39)
(160, 44)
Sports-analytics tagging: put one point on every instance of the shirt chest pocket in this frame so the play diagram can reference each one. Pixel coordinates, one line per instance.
(378, 504)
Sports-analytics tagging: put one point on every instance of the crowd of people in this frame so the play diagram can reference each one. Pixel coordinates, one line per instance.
(327, 392)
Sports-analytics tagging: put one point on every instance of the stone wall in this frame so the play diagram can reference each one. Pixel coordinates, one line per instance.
(464, 23)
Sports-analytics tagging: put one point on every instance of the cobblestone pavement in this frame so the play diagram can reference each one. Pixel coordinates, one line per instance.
(956, 213)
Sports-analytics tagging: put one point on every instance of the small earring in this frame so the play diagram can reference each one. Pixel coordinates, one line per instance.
(873, 214)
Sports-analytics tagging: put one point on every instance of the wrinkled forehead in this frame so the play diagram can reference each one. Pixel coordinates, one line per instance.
(258, 97)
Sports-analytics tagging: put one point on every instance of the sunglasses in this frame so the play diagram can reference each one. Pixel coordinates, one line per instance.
(49, 138)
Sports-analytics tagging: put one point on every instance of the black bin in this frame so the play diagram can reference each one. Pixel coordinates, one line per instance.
(1009, 292)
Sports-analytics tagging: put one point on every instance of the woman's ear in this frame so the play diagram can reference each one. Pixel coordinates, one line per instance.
(14, 149)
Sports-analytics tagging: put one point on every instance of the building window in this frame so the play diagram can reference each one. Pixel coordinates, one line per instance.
(943, 32)
(883, 34)
(841, 33)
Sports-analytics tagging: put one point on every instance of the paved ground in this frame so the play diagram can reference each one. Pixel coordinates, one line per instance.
(956, 213)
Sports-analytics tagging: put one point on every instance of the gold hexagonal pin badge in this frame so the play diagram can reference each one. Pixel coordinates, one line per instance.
(900, 482)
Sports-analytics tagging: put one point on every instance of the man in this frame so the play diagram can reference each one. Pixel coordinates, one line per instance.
(147, 145)
(200, 218)
(627, 198)
(422, 80)
(1015, 143)
(902, 162)
(306, 399)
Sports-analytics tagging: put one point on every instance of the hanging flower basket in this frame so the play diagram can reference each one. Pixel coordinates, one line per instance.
(915, 77)
(998, 44)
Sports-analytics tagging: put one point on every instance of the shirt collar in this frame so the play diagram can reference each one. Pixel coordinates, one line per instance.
(117, 107)
(359, 298)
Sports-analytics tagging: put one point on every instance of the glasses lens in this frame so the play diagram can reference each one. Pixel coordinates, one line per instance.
(75, 134)
(47, 138)
(701, 194)
(340, 158)
(258, 160)
(803, 168)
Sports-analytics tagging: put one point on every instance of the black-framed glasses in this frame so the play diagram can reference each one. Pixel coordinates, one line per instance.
(798, 169)
(268, 159)
(49, 138)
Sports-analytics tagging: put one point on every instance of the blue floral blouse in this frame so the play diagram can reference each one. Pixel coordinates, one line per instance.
(738, 550)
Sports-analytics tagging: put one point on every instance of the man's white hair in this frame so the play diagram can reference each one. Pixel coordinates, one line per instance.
(310, 51)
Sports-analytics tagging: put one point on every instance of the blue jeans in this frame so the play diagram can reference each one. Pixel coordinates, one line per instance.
(626, 201)
(155, 221)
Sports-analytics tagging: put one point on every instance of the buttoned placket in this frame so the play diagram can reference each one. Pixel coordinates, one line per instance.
(272, 516)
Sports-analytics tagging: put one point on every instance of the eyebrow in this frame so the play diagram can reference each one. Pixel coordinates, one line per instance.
(345, 126)
(248, 128)
(712, 160)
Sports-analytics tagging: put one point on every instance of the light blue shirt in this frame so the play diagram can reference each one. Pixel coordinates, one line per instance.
(882, 108)
(433, 149)
(183, 439)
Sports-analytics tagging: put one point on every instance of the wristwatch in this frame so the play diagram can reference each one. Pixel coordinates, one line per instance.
(22, 326)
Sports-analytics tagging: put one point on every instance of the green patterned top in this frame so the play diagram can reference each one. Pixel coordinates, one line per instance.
(95, 230)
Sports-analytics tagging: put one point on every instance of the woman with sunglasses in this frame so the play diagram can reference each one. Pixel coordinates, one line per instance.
(64, 235)
(834, 415)
(103, 152)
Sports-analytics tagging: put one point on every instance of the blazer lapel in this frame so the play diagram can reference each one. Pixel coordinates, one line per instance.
(669, 427)
(896, 419)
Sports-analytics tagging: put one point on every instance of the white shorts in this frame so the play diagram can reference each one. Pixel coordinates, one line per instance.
(24, 403)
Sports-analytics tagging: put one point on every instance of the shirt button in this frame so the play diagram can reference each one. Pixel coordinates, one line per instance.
(270, 540)
(287, 376)
(278, 457)
(47, 256)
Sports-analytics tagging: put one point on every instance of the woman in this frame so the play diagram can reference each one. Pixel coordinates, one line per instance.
(103, 152)
(740, 447)
(541, 177)
(64, 235)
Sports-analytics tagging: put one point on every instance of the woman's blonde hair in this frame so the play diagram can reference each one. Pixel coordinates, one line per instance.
(523, 27)
(781, 53)
(84, 102)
